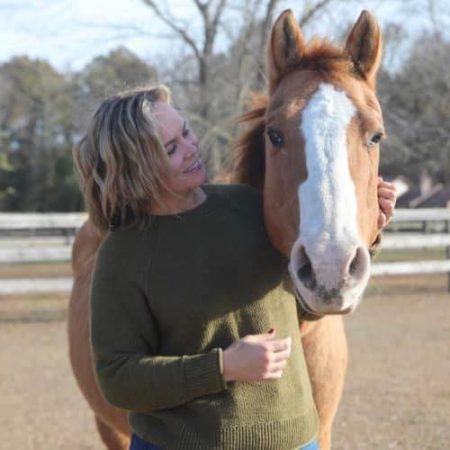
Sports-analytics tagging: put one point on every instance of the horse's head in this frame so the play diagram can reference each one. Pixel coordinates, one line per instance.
(321, 123)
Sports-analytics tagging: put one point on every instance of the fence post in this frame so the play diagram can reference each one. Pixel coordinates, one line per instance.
(448, 253)
(448, 257)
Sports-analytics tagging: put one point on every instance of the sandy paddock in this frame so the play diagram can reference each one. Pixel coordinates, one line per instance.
(397, 393)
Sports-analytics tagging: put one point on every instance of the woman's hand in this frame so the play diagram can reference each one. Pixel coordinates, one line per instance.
(256, 357)
(387, 196)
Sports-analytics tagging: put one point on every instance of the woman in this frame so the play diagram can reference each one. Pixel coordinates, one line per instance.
(191, 329)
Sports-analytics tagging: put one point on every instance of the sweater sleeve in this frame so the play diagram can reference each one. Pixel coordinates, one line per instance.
(124, 340)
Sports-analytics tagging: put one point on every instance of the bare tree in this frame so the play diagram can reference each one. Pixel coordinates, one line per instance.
(216, 85)
(210, 12)
(416, 107)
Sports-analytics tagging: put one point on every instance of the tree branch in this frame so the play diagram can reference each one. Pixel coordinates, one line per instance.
(310, 13)
(210, 24)
(170, 22)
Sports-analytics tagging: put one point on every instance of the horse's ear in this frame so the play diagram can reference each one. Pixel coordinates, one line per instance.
(286, 46)
(364, 46)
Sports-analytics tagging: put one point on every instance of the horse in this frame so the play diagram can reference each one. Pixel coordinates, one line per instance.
(311, 148)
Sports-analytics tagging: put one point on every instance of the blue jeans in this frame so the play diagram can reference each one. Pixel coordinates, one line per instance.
(311, 446)
(138, 444)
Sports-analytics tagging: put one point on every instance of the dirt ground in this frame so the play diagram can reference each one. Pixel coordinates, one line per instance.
(397, 393)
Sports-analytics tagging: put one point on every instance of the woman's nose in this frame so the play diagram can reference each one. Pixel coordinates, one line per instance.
(193, 139)
(191, 144)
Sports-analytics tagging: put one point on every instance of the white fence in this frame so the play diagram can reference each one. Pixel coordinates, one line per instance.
(31, 248)
(413, 241)
(41, 221)
(35, 285)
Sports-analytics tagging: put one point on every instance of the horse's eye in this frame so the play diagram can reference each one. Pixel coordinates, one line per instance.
(275, 137)
(376, 138)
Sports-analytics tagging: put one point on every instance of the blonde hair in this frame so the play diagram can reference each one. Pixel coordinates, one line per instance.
(121, 160)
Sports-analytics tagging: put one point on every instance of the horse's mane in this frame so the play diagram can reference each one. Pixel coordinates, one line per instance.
(320, 56)
(325, 58)
(248, 149)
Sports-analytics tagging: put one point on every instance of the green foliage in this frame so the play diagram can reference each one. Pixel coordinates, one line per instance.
(416, 105)
(64, 192)
(5, 165)
(36, 123)
(118, 71)
(42, 113)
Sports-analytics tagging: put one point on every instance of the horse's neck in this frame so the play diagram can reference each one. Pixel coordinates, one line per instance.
(85, 248)
(321, 328)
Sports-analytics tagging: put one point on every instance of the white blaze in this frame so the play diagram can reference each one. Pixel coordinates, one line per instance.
(328, 209)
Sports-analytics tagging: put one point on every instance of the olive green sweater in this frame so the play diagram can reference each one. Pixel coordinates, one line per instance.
(167, 300)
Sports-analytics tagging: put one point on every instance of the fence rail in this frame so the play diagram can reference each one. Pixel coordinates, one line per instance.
(35, 221)
(41, 221)
(410, 268)
(35, 285)
(37, 254)
(422, 214)
(414, 240)
(31, 249)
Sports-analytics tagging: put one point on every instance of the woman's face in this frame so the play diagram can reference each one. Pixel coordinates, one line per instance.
(186, 171)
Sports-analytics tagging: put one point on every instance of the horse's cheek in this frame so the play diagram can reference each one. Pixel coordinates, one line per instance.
(369, 198)
(374, 207)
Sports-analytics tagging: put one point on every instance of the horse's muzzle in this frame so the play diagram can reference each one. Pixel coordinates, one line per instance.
(329, 279)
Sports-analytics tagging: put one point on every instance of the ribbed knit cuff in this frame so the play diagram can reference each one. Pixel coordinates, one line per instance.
(203, 374)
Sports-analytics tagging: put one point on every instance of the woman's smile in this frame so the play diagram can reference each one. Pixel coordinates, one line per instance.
(185, 172)
(196, 165)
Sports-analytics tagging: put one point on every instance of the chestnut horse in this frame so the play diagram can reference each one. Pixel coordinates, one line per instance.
(311, 148)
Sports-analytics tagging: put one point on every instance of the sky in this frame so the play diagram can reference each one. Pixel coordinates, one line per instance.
(69, 33)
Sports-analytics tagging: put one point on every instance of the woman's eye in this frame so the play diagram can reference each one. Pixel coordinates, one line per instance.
(187, 129)
(275, 137)
(376, 138)
(171, 150)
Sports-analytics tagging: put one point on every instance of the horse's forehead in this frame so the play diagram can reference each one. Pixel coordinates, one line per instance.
(362, 95)
(296, 90)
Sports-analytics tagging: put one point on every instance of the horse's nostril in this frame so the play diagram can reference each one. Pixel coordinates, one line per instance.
(357, 263)
(353, 265)
(305, 272)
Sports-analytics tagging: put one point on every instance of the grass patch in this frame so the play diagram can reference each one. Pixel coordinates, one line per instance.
(429, 284)
(36, 297)
(42, 307)
(36, 270)
(389, 255)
